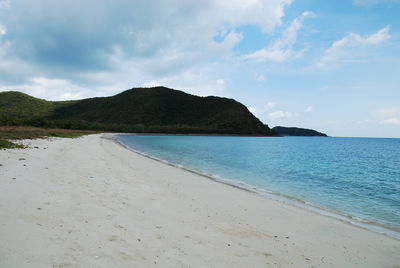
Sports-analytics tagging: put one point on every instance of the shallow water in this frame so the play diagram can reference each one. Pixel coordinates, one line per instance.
(357, 177)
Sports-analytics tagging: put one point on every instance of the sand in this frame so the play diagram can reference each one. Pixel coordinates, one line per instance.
(89, 202)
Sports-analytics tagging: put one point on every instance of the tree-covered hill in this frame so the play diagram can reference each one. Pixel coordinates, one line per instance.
(155, 110)
(15, 104)
(295, 131)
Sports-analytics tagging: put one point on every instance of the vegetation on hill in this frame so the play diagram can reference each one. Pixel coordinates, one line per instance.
(295, 131)
(143, 110)
(19, 105)
(17, 108)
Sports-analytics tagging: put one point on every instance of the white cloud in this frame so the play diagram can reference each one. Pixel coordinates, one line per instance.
(267, 113)
(391, 121)
(387, 112)
(269, 54)
(230, 40)
(281, 49)
(309, 109)
(125, 43)
(262, 110)
(3, 29)
(266, 107)
(220, 82)
(266, 14)
(192, 82)
(50, 89)
(349, 48)
(279, 115)
(269, 105)
(200, 79)
(388, 116)
(354, 39)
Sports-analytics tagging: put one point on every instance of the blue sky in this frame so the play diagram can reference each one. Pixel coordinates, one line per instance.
(329, 65)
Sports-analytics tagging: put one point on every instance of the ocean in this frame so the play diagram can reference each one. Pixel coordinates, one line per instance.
(353, 179)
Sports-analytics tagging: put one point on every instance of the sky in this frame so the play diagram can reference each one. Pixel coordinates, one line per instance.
(333, 66)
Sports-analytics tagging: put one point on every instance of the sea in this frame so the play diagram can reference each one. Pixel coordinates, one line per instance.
(353, 179)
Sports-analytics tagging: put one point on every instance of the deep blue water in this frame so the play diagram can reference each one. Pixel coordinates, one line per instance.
(358, 177)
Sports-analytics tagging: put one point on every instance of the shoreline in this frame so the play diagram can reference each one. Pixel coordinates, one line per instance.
(89, 202)
(320, 210)
(200, 134)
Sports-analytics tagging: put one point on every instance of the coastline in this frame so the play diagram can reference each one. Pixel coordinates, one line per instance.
(90, 202)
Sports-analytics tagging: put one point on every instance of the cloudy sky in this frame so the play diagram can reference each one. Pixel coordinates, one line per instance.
(329, 65)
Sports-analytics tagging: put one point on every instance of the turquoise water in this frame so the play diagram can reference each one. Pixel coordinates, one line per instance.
(357, 177)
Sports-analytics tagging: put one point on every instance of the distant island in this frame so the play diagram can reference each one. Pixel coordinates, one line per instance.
(295, 131)
(138, 110)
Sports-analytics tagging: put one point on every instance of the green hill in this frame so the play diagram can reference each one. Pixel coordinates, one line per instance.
(155, 110)
(295, 131)
(17, 108)
(15, 104)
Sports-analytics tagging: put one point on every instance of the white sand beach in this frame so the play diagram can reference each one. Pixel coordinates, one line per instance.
(89, 202)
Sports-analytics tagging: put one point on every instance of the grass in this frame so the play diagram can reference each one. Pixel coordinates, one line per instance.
(8, 133)
(5, 144)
